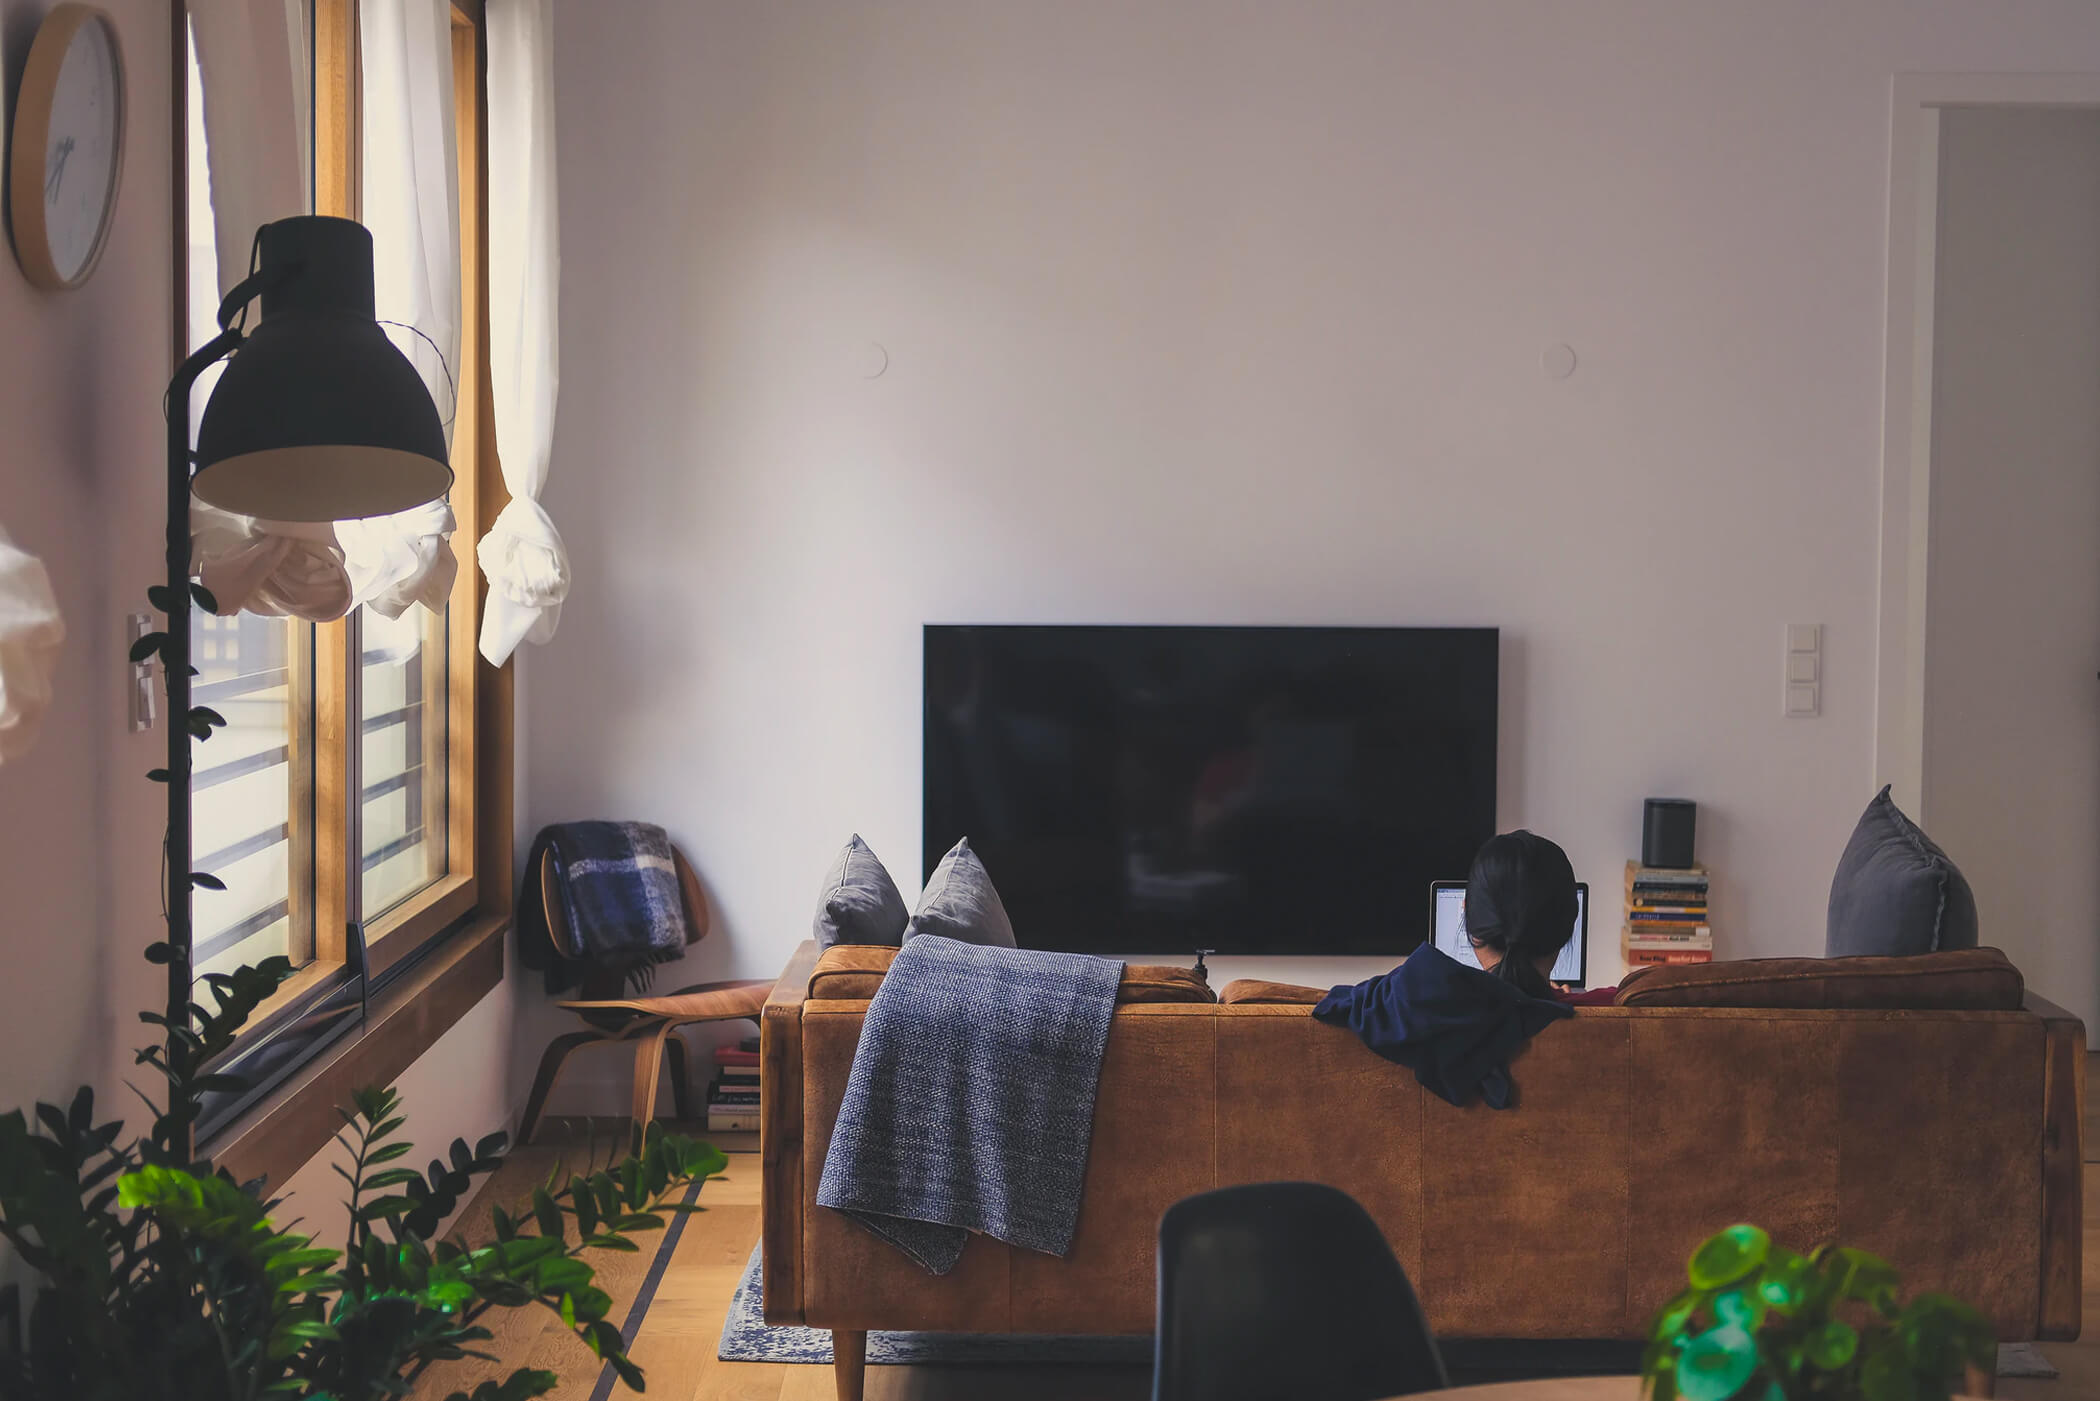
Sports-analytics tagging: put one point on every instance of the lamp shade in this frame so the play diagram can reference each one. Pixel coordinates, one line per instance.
(318, 417)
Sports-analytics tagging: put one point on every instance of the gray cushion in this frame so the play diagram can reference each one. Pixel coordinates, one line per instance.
(860, 903)
(960, 903)
(1896, 892)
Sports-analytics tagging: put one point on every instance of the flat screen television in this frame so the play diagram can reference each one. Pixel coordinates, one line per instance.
(1275, 790)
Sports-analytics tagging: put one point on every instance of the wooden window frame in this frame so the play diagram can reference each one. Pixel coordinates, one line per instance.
(431, 957)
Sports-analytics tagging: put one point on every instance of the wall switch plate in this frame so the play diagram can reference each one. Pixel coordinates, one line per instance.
(1804, 670)
(143, 701)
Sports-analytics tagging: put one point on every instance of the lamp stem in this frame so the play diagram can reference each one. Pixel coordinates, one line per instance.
(176, 668)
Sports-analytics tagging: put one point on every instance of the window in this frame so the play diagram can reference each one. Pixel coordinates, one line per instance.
(338, 804)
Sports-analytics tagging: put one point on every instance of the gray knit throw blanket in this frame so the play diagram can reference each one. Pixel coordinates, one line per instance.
(970, 1106)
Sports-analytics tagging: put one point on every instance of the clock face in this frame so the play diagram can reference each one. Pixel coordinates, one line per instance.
(82, 149)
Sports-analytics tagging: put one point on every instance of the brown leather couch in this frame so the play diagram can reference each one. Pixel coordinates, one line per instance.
(1925, 1109)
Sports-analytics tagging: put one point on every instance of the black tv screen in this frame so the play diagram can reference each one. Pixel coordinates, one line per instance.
(1246, 789)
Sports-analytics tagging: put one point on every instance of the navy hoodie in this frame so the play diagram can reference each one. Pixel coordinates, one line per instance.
(1455, 1026)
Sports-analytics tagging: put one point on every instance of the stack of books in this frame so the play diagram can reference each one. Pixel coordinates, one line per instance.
(1666, 916)
(732, 1100)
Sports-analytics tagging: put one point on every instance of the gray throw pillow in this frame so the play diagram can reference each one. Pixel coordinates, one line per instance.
(960, 903)
(860, 903)
(1896, 892)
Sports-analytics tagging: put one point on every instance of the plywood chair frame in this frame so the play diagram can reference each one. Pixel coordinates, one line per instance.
(648, 1023)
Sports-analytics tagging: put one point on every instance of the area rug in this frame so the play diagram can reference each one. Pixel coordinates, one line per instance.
(2025, 1360)
(746, 1337)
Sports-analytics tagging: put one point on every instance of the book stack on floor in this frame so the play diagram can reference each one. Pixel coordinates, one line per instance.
(1666, 916)
(732, 1100)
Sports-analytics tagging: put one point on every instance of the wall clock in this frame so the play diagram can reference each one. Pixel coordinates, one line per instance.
(68, 147)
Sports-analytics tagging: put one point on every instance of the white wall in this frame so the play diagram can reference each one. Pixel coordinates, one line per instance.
(82, 467)
(81, 472)
(2012, 709)
(1227, 312)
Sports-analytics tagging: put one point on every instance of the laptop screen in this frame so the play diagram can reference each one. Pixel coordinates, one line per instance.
(1450, 934)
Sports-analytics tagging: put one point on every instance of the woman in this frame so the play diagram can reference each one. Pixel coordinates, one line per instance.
(1520, 913)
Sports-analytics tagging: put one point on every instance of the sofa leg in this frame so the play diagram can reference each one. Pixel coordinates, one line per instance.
(849, 1362)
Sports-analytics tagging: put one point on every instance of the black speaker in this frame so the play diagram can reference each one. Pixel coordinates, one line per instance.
(1666, 833)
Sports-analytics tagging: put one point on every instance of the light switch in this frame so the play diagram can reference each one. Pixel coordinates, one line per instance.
(1804, 670)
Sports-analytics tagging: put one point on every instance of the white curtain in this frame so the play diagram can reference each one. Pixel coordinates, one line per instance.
(275, 568)
(30, 633)
(250, 86)
(522, 555)
(411, 204)
(253, 57)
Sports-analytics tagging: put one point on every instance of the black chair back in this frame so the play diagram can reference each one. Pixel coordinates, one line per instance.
(1284, 1291)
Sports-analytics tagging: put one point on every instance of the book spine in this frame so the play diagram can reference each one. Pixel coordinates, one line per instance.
(732, 1123)
(1643, 958)
(1647, 875)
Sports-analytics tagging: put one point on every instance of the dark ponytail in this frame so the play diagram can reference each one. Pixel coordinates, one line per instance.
(1520, 903)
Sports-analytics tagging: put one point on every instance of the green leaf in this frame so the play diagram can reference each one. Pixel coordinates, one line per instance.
(1830, 1345)
(148, 645)
(204, 880)
(1726, 1258)
(1886, 1376)
(547, 1214)
(1717, 1364)
(206, 600)
(1735, 1307)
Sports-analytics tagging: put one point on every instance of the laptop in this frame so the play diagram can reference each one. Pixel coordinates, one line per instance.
(1449, 926)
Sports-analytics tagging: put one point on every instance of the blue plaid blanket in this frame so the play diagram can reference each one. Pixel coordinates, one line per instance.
(970, 1105)
(617, 883)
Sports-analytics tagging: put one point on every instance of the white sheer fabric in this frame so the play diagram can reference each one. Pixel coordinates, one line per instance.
(411, 205)
(522, 555)
(275, 568)
(395, 561)
(253, 58)
(30, 633)
(251, 85)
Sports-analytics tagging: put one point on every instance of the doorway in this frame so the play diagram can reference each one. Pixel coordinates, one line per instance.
(2002, 655)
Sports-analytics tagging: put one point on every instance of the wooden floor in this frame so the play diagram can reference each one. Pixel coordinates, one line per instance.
(676, 1347)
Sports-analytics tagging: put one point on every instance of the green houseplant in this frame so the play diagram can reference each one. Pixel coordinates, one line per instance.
(161, 1278)
(1760, 1322)
(167, 1281)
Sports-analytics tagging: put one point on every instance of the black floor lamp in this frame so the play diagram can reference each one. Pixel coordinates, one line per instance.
(317, 418)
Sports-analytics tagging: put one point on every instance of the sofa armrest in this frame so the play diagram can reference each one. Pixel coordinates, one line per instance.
(780, 1135)
(2063, 1168)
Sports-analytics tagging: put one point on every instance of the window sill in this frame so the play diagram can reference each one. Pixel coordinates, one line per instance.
(297, 1120)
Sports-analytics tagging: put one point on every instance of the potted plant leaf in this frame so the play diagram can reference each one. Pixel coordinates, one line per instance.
(161, 1278)
(167, 1282)
(1760, 1322)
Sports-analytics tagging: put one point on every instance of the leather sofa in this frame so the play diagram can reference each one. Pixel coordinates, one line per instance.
(1926, 1109)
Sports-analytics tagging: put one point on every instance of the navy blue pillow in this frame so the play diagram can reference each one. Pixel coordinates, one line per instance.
(1896, 892)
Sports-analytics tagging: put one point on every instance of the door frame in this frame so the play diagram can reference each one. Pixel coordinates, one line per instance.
(1916, 101)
